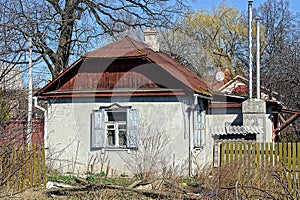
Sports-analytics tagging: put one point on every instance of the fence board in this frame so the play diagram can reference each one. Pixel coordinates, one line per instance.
(298, 165)
(271, 155)
(264, 155)
(23, 168)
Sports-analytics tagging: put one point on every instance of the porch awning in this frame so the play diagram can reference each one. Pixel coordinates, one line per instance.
(235, 129)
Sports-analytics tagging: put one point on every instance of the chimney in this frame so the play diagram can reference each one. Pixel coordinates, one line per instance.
(150, 38)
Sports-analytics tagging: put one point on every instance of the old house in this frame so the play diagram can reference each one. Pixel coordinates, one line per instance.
(115, 99)
(127, 103)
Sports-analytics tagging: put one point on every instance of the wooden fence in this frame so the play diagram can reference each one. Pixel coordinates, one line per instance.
(22, 167)
(264, 155)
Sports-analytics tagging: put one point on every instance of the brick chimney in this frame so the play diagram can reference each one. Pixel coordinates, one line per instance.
(150, 38)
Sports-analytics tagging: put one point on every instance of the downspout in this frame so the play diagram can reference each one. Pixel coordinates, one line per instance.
(192, 132)
(191, 137)
(45, 119)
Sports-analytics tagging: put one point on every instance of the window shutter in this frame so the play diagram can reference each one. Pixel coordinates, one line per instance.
(98, 129)
(199, 129)
(132, 128)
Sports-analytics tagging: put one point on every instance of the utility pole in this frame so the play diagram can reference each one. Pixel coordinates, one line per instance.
(250, 46)
(257, 58)
(29, 117)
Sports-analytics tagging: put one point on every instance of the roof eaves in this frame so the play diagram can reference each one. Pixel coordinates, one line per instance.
(161, 60)
(42, 90)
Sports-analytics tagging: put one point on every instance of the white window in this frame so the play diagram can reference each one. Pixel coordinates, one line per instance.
(115, 128)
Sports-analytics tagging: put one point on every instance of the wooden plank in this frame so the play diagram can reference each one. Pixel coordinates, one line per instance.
(28, 167)
(271, 154)
(289, 166)
(267, 155)
(293, 167)
(44, 166)
(39, 163)
(241, 152)
(280, 152)
(257, 154)
(231, 151)
(294, 156)
(236, 152)
(30, 161)
(19, 161)
(249, 154)
(262, 155)
(226, 153)
(284, 154)
(34, 176)
(289, 156)
(298, 164)
(222, 156)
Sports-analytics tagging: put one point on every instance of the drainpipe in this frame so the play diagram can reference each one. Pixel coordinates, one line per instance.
(191, 137)
(191, 132)
(45, 119)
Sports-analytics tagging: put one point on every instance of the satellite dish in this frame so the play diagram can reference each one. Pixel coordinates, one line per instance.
(220, 76)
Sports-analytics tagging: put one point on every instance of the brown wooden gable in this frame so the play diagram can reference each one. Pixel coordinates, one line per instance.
(96, 75)
(132, 69)
(119, 74)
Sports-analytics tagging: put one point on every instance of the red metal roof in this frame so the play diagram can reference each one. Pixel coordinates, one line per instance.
(125, 47)
(125, 55)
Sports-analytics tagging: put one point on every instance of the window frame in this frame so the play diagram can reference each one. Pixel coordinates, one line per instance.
(115, 123)
(99, 134)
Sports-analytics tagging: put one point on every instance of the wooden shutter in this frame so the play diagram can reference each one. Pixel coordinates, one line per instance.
(132, 130)
(98, 129)
(198, 129)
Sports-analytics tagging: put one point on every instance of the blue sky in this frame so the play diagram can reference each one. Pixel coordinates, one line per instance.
(239, 4)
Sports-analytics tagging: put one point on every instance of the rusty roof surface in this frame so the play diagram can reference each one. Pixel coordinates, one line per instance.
(180, 72)
(130, 48)
(125, 47)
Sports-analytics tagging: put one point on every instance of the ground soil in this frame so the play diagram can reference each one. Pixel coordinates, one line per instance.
(97, 194)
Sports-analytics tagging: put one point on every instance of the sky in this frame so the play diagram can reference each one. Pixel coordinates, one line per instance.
(242, 5)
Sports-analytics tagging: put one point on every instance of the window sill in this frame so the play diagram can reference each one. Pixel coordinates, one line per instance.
(117, 149)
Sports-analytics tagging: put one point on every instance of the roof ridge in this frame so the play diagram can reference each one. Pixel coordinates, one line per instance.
(131, 41)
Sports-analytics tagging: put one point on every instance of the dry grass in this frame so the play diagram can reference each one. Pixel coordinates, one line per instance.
(239, 181)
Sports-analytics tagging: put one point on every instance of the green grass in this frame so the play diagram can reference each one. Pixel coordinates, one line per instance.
(65, 179)
(96, 179)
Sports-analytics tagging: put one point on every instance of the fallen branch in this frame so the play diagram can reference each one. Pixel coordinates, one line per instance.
(148, 193)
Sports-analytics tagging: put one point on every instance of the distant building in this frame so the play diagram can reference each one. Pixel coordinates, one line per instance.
(11, 77)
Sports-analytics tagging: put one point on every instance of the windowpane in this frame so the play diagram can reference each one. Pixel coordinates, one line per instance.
(110, 126)
(122, 126)
(111, 137)
(116, 115)
(122, 137)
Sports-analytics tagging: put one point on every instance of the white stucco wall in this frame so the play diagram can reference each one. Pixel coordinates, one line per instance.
(69, 128)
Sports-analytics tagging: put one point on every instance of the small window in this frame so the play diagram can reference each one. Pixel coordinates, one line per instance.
(116, 127)
(120, 128)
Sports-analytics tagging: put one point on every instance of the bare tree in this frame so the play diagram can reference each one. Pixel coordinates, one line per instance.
(151, 158)
(281, 52)
(60, 29)
(210, 40)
